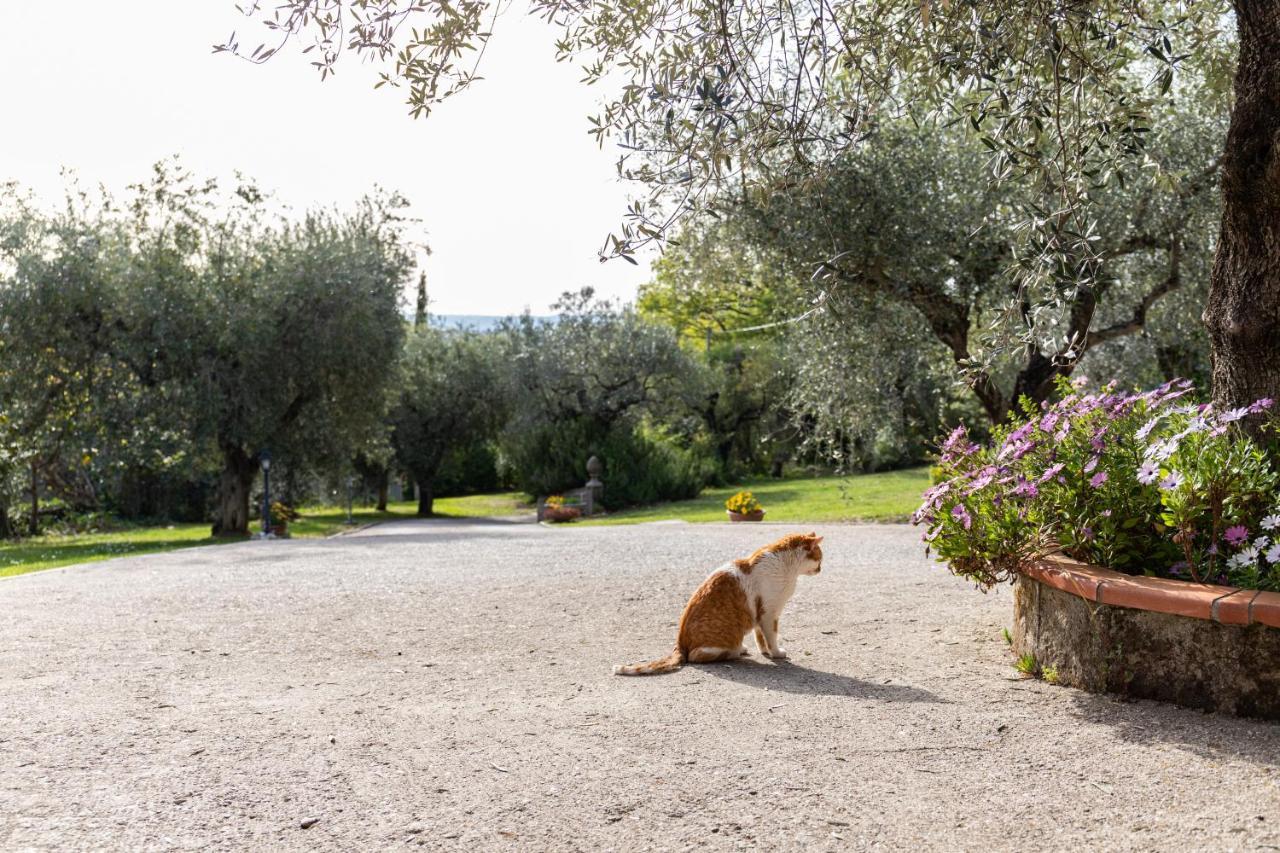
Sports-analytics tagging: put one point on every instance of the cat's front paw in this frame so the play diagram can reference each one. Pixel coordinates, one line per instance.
(778, 653)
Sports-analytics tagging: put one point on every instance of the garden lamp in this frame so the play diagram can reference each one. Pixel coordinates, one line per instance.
(265, 456)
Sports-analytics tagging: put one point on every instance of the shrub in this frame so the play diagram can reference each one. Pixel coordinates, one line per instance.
(1143, 483)
(640, 466)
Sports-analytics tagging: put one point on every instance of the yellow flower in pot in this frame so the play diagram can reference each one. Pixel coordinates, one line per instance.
(744, 507)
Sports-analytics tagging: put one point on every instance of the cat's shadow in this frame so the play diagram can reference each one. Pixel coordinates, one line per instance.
(788, 677)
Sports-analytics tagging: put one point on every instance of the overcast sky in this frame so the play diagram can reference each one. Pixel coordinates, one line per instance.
(514, 195)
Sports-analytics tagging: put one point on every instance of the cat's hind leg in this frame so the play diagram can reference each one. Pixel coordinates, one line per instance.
(708, 654)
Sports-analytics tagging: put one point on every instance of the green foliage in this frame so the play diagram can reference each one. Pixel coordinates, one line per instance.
(145, 341)
(468, 469)
(1028, 665)
(640, 467)
(585, 385)
(449, 400)
(1142, 483)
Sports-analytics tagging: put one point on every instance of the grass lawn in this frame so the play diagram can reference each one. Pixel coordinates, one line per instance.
(49, 552)
(887, 496)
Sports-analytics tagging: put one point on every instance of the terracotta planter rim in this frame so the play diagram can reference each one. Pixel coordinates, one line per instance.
(1226, 605)
(758, 515)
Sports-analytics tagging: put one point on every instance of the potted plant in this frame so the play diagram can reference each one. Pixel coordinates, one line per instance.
(1141, 532)
(558, 508)
(744, 507)
(281, 515)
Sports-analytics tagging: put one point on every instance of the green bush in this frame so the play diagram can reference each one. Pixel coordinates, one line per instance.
(470, 469)
(640, 466)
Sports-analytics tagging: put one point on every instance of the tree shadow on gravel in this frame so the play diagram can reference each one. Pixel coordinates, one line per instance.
(1216, 736)
(790, 678)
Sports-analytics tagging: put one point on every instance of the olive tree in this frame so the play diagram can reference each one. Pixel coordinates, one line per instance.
(269, 333)
(59, 280)
(448, 394)
(1063, 95)
(590, 382)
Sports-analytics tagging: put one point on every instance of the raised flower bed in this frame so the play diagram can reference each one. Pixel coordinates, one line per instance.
(1160, 517)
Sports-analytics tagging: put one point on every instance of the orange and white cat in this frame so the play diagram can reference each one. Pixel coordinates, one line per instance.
(738, 597)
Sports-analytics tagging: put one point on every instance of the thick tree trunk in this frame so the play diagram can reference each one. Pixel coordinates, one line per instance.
(426, 498)
(384, 478)
(238, 471)
(1243, 310)
(6, 526)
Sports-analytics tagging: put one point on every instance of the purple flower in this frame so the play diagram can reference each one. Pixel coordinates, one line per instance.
(982, 482)
(1148, 473)
(1049, 421)
(933, 495)
(1236, 535)
(1050, 472)
(959, 513)
(1091, 464)
(1178, 567)
(957, 442)
(1145, 429)
(1261, 405)
(1020, 433)
(1086, 533)
(1172, 481)
(1098, 479)
(1233, 415)
(1025, 488)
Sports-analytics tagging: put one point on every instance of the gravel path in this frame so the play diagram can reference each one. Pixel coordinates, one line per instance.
(447, 685)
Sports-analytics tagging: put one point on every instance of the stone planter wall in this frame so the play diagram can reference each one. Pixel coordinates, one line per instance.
(1203, 646)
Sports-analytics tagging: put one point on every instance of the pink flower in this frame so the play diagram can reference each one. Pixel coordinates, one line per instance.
(1236, 535)
(959, 513)
(1091, 464)
(1261, 405)
(1050, 472)
(1098, 479)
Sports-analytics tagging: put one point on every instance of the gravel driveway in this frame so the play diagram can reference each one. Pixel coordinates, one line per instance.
(447, 685)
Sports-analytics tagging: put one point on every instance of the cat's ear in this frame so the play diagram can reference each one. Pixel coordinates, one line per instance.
(815, 537)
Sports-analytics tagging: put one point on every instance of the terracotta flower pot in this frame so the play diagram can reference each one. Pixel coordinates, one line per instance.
(758, 515)
(564, 513)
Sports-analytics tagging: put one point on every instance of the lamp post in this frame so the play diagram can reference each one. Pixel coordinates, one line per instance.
(265, 456)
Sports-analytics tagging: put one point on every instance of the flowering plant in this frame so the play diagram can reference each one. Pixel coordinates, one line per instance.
(282, 513)
(743, 503)
(560, 502)
(1147, 483)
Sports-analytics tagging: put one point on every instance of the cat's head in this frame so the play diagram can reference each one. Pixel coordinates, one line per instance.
(811, 543)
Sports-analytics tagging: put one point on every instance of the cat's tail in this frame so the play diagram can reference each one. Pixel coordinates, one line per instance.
(670, 663)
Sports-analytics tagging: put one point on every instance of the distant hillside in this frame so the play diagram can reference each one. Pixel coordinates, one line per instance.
(477, 322)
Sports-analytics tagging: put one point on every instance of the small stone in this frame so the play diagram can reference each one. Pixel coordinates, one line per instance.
(309, 822)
